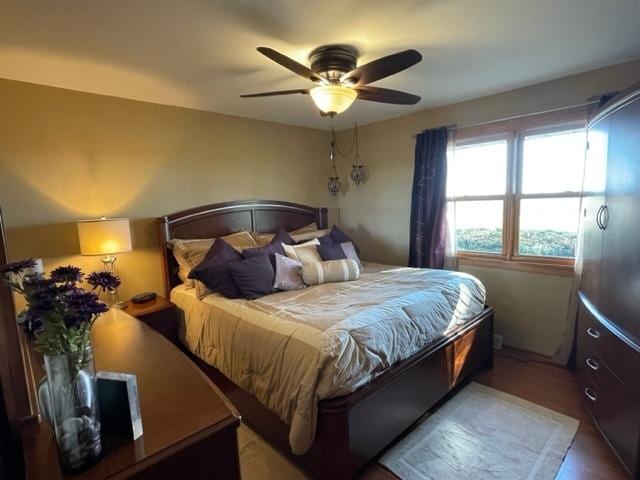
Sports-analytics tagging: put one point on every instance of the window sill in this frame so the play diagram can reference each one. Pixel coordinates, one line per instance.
(563, 268)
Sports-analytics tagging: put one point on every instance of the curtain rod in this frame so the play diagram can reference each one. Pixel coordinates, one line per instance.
(455, 127)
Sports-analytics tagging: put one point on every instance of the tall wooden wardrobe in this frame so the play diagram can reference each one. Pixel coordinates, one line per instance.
(608, 331)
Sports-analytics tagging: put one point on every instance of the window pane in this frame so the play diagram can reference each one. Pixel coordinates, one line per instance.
(553, 162)
(478, 169)
(549, 226)
(479, 226)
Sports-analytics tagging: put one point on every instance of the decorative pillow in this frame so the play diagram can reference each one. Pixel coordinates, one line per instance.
(240, 240)
(188, 254)
(214, 272)
(253, 276)
(262, 238)
(288, 274)
(331, 271)
(331, 251)
(350, 251)
(308, 232)
(273, 247)
(338, 236)
(305, 252)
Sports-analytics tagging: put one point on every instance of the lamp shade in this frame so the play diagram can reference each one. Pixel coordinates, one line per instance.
(333, 98)
(104, 236)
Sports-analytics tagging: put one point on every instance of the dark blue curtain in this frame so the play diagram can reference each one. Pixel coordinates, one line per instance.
(428, 200)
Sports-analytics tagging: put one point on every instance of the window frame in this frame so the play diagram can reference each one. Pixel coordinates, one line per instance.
(514, 132)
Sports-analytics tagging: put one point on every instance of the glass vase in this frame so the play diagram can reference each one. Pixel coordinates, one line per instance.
(72, 408)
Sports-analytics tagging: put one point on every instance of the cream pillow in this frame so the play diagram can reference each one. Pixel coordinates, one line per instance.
(305, 252)
(241, 240)
(330, 271)
(188, 254)
(301, 237)
(307, 228)
(308, 232)
(262, 239)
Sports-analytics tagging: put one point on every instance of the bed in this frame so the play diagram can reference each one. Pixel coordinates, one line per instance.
(331, 412)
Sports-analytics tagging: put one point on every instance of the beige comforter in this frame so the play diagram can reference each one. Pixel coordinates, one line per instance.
(292, 349)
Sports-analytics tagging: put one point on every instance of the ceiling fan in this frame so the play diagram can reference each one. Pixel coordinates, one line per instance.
(339, 81)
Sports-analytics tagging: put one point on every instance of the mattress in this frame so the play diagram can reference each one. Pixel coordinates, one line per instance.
(293, 349)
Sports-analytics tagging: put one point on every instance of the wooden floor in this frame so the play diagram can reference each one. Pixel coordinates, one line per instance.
(526, 376)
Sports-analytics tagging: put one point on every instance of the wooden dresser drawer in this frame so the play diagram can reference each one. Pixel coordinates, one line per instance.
(621, 358)
(613, 410)
(607, 368)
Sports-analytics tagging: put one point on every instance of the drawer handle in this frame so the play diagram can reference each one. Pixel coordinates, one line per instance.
(593, 332)
(590, 395)
(592, 364)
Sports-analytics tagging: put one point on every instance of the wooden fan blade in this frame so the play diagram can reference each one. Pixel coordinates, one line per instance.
(386, 95)
(289, 64)
(272, 94)
(382, 67)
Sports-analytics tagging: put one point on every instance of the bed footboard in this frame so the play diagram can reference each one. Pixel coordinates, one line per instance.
(356, 428)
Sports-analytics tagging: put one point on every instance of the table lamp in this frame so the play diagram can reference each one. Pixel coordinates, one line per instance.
(106, 236)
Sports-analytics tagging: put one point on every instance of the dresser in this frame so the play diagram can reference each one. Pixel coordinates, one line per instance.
(189, 425)
(608, 328)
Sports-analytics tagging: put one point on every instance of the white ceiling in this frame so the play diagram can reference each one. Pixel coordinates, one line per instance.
(201, 53)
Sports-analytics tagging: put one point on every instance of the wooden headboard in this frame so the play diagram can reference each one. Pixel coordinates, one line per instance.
(264, 216)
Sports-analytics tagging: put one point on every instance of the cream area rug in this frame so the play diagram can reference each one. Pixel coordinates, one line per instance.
(482, 433)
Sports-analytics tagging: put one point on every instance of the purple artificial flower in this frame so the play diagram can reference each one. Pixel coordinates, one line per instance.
(103, 281)
(42, 297)
(37, 288)
(81, 307)
(17, 267)
(68, 274)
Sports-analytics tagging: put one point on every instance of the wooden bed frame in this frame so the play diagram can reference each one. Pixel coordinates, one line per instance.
(353, 429)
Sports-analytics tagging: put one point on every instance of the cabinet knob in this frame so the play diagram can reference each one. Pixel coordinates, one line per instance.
(590, 394)
(593, 332)
(592, 364)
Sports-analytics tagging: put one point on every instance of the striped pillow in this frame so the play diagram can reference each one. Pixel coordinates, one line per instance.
(330, 271)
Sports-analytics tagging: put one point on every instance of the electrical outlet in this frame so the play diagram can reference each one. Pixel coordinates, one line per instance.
(497, 342)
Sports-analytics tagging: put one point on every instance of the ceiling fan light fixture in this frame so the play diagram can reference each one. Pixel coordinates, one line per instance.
(333, 99)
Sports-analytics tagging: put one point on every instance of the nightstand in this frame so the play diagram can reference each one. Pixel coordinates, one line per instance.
(160, 314)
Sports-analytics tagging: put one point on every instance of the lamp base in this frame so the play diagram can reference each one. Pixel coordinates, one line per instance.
(109, 263)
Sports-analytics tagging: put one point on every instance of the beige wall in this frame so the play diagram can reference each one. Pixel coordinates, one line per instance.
(530, 308)
(67, 155)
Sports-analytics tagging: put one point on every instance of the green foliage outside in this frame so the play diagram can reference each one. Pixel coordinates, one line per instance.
(549, 243)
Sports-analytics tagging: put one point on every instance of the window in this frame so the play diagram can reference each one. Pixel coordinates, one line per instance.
(477, 179)
(516, 194)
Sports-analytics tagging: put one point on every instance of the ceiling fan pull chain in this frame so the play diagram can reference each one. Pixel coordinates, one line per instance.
(335, 141)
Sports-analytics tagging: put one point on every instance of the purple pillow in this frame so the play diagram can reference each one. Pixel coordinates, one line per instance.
(331, 251)
(288, 274)
(214, 271)
(274, 246)
(254, 276)
(337, 236)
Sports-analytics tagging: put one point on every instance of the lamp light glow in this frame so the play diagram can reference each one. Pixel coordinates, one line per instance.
(104, 236)
(333, 99)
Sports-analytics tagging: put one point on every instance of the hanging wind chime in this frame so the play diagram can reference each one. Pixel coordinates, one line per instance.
(358, 172)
